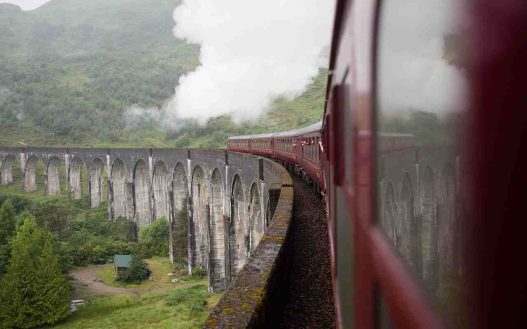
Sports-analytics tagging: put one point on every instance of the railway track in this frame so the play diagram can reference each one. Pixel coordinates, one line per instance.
(310, 297)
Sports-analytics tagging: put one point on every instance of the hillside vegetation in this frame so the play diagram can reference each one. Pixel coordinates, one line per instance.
(69, 70)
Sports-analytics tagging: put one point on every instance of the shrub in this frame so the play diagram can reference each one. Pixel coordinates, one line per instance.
(180, 234)
(199, 273)
(136, 273)
(124, 229)
(194, 297)
(98, 251)
(154, 239)
(180, 269)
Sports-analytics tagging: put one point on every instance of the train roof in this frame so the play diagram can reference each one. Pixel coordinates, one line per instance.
(289, 133)
(301, 131)
(268, 135)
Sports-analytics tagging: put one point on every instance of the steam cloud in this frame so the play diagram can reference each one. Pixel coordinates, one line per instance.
(251, 51)
(26, 4)
(414, 73)
(136, 116)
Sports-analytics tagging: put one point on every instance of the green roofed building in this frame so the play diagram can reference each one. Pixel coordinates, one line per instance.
(121, 262)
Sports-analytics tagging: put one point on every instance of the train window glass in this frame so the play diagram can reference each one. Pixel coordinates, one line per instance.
(421, 93)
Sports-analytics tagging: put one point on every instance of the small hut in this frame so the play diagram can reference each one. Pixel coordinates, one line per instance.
(121, 263)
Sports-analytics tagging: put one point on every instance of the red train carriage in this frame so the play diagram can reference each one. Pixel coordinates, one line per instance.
(421, 155)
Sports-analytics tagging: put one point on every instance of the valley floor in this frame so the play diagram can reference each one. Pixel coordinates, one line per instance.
(148, 305)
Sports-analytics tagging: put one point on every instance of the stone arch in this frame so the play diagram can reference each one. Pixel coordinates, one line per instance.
(119, 189)
(54, 172)
(448, 229)
(96, 182)
(142, 215)
(217, 233)
(237, 235)
(7, 170)
(200, 219)
(180, 215)
(389, 214)
(410, 241)
(429, 229)
(29, 183)
(160, 184)
(76, 168)
(256, 222)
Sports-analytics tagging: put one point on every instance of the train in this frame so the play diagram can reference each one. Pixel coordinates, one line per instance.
(420, 156)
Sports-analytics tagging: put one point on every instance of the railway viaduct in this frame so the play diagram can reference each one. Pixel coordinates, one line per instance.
(239, 209)
(229, 198)
(420, 208)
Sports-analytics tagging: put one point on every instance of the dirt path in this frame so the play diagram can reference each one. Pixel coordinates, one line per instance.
(86, 285)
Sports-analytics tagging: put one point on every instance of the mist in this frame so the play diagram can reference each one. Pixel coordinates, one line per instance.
(251, 52)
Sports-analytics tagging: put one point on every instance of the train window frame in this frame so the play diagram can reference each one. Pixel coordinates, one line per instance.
(418, 292)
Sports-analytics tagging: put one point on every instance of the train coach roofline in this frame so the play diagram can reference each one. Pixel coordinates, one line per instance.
(300, 131)
(289, 133)
(395, 135)
(269, 135)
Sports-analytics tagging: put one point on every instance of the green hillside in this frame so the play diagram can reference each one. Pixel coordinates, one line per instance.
(69, 69)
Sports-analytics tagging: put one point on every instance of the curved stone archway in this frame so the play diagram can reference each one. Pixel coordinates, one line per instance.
(200, 220)
(256, 222)
(217, 233)
(160, 184)
(75, 178)
(54, 169)
(237, 229)
(118, 189)
(96, 182)
(180, 214)
(142, 215)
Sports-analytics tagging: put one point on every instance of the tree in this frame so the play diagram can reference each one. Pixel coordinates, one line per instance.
(33, 291)
(154, 238)
(7, 222)
(137, 272)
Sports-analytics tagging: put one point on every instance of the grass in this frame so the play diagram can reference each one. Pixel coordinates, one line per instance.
(179, 308)
(159, 266)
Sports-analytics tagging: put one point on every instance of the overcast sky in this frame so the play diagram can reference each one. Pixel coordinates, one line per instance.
(26, 4)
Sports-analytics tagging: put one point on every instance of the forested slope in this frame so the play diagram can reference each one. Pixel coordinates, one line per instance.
(70, 69)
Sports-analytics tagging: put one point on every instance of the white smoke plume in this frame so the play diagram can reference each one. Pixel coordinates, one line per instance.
(26, 4)
(251, 52)
(136, 116)
(414, 73)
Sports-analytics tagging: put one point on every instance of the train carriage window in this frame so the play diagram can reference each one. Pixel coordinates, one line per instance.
(421, 92)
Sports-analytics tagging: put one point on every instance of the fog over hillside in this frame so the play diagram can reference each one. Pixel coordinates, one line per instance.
(100, 73)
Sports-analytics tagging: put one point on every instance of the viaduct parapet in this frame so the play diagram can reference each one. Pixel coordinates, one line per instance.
(229, 198)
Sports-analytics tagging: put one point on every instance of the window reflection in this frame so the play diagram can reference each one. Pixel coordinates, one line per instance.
(421, 92)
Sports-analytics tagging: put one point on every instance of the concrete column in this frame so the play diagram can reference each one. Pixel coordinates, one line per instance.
(96, 183)
(7, 170)
(140, 195)
(75, 178)
(118, 190)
